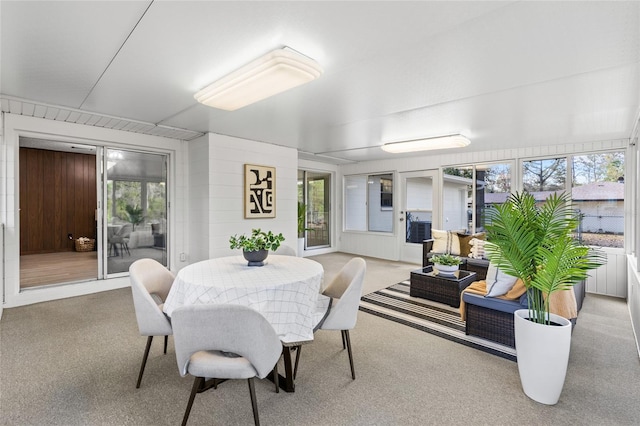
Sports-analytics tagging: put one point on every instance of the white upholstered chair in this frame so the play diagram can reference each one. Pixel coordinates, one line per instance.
(345, 290)
(150, 285)
(224, 342)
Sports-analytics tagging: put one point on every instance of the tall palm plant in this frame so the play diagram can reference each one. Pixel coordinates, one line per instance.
(534, 243)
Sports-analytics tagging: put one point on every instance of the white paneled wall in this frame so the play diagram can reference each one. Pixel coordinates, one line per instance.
(633, 297)
(226, 160)
(610, 279)
(198, 199)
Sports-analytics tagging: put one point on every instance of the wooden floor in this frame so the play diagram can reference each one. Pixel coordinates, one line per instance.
(57, 268)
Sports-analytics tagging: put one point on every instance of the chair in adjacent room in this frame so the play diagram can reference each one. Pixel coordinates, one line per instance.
(150, 285)
(224, 342)
(122, 238)
(345, 290)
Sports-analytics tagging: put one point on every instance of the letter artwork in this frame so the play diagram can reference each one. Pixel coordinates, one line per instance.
(260, 191)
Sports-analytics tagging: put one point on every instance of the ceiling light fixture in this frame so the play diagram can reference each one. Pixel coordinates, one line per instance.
(425, 144)
(273, 73)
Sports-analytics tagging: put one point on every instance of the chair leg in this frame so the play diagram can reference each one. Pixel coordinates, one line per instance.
(144, 360)
(166, 339)
(276, 378)
(344, 344)
(254, 403)
(346, 336)
(197, 384)
(295, 368)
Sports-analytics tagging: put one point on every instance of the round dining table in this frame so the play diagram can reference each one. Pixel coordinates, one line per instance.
(286, 290)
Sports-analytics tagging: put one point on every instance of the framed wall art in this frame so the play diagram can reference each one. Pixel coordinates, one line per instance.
(259, 191)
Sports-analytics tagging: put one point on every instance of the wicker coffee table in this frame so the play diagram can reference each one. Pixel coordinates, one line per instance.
(427, 283)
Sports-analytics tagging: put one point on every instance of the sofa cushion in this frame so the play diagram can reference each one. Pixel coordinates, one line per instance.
(477, 248)
(465, 240)
(445, 242)
(498, 283)
(508, 306)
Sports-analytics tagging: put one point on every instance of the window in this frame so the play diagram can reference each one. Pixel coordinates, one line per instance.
(457, 192)
(597, 194)
(369, 203)
(544, 176)
(469, 191)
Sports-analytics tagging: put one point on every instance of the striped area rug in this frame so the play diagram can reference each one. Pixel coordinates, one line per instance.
(395, 304)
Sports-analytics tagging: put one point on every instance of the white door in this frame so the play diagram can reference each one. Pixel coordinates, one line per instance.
(419, 212)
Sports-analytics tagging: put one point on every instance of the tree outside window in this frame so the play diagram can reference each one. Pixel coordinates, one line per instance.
(544, 175)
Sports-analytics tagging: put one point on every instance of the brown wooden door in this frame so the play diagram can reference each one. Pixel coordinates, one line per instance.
(57, 200)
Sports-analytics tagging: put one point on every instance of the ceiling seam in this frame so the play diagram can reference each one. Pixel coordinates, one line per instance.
(115, 55)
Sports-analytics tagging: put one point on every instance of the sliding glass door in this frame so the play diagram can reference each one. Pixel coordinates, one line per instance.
(135, 213)
(314, 190)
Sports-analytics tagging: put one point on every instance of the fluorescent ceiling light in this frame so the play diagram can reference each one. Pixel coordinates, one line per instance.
(440, 142)
(273, 73)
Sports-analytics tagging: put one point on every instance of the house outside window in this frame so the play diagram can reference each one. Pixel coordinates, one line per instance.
(369, 203)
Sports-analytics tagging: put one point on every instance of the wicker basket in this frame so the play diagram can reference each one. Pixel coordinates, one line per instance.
(85, 245)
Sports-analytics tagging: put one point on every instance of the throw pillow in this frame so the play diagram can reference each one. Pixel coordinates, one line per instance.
(445, 242)
(498, 283)
(465, 240)
(477, 249)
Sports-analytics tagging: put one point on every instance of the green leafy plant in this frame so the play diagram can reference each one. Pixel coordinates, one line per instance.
(134, 215)
(534, 243)
(258, 240)
(446, 260)
(302, 219)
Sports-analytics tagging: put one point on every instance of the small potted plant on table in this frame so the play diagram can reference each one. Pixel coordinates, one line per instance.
(446, 264)
(255, 248)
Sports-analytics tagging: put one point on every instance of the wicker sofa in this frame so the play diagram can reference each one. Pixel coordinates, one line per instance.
(479, 266)
(489, 317)
(492, 318)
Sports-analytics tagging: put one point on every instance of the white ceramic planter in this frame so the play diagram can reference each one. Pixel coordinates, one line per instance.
(446, 270)
(300, 247)
(543, 355)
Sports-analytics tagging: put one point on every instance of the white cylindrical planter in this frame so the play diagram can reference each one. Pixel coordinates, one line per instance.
(543, 355)
(300, 247)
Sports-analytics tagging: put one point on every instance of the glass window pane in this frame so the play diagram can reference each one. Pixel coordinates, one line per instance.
(598, 196)
(355, 195)
(380, 195)
(493, 186)
(318, 195)
(136, 208)
(548, 175)
(419, 215)
(369, 203)
(457, 187)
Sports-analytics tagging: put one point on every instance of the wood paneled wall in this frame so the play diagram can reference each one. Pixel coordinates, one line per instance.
(57, 198)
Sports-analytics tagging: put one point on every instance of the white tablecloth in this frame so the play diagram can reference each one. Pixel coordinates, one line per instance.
(285, 290)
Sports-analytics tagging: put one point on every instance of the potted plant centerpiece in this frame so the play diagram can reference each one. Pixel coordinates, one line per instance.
(446, 264)
(255, 248)
(535, 244)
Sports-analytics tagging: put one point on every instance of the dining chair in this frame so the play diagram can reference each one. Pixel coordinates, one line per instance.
(285, 250)
(224, 342)
(150, 285)
(122, 237)
(345, 290)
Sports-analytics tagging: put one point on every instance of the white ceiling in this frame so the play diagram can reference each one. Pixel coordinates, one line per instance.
(506, 74)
